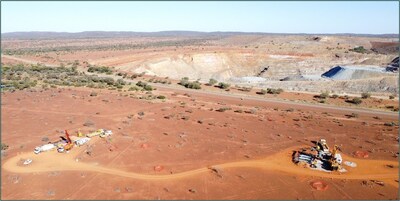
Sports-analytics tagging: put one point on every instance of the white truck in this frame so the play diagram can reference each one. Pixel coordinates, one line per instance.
(46, 147)
(82, 141)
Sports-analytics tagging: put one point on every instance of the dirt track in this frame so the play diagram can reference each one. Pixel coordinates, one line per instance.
(51, 161)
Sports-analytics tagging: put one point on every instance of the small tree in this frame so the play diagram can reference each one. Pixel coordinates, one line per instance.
(212, 81)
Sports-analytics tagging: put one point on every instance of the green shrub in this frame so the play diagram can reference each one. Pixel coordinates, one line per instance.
(148, 87)
(120, 82)
(161, 97)
(391, 97)
(191, 85)
(365, 95)
(223, 85)
(212, 81)
(141, 84)
(359, 49)
(274, 91)
(100, 69)
(133, 88)
(184, 81)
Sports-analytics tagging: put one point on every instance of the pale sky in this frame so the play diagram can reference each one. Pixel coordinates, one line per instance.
(272, 17)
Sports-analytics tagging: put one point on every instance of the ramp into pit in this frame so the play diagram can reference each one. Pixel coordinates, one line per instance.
(354, 72)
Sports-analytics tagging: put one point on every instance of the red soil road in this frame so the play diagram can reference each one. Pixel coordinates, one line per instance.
(259, 139)
(47, 162)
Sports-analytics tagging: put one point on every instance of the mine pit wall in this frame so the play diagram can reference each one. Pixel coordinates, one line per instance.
(382, 86)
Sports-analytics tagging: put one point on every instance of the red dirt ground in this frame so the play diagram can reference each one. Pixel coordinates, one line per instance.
(186, 135)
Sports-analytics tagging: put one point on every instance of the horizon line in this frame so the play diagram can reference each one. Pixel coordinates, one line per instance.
(195, 32)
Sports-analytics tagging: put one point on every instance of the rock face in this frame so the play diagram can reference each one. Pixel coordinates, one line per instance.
(353, 72)
(394, 65)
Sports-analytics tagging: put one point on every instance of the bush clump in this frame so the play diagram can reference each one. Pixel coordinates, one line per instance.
(262, 92)
(191, 85)
(100, 69)
(323, 95)
(223, 109)
(274, 91)
(365, 95)
(212, 81)
(390, 124)
(134, 88)
(355, 101)
(223, 85)
(334, 96)
(359, 49)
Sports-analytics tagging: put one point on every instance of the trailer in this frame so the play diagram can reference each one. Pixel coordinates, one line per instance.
(43, 148)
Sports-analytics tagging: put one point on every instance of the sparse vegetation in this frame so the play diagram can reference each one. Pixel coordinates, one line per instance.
(352, 115)
(191, 85)
(161, 97)
(391, 97)
(21, 77)
(323, 95)
(274, 91)
(334, 96)
(365, 95)
(245, 89)
(134, 88)
(223, 109)
(355, 101)
(359, 49)
(212, 82)
(100, 69)
(223, 85)
(262, 92)
(144, 85)
(390, 124)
